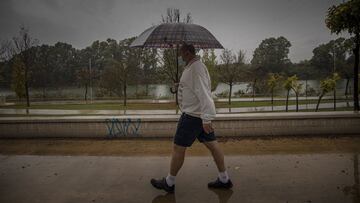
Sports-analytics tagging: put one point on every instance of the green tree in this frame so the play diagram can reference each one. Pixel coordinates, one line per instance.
(296, 87)
(2, 65)
(322, 60)
(348, 70)
(272, 82)
(122, 68)
(346, 17)
(18, 77)
(131, 65)
(94, 57)
(272, 54)
(305, 71)
(148, 67)
(209, 59)
(22, 46)
(64, 64)
(42, 74)
(327, 85)
(112, 79)
(83, 79)
(257, 77)
(332, 57)
(292, 83)
(231, 68)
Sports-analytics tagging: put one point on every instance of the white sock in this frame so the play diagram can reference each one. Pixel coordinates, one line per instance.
(170, 180)
(224, 177)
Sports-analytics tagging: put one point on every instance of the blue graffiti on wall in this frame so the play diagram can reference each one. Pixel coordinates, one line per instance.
(122, 127)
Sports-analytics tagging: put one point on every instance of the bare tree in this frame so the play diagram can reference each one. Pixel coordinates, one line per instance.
(173, 16)
(231, 68)
(22, 46)
(5, 55)
(6, 50)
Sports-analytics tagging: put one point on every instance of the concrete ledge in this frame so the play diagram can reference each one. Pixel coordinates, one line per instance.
(254, 124)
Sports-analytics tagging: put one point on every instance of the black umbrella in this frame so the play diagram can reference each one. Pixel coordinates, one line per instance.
(171, 35)
(168, 35)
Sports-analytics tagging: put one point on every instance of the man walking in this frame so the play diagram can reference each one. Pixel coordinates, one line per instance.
(197, 105)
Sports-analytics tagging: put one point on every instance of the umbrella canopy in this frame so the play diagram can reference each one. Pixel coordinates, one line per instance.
(171, 35)
(168, 35)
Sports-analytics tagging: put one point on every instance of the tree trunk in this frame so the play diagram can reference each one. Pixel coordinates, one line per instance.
(356, 73)
(253, 90)
(287, 100)
(136, 91)
(230, 93)
(176, 98)
(306, 91)
(27, 94)
(318, 103)
(177, 73)
(272, 99)
(44, 93)
(86, 90)
(27, 87)
(335, 97)
(346, 91)
(297, 101)
(125, 96)
(175, 91)
(147, 89)
(356, 178)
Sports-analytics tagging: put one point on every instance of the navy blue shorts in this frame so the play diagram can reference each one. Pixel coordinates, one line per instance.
(188, 129)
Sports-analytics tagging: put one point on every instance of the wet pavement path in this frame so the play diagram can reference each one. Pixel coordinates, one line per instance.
(316, 177)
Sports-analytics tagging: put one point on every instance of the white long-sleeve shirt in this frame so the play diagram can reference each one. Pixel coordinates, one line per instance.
(194, 92)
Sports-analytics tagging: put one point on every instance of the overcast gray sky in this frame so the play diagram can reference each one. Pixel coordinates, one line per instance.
(237, 24)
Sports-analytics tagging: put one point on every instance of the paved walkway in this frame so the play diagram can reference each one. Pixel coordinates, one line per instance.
(258, 178)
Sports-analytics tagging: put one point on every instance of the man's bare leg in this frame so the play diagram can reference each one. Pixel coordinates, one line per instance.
(217, 154)
(177, 159)
(223, 181)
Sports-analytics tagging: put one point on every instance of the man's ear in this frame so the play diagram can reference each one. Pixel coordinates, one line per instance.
(187, 53)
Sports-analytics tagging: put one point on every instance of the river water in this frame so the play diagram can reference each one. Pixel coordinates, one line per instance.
(162, 91)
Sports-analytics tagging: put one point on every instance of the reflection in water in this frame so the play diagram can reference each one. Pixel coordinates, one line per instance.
(223, 195)
(168, 197)
(356, 191)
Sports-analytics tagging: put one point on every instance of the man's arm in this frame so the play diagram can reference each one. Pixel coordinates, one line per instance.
(202, 91)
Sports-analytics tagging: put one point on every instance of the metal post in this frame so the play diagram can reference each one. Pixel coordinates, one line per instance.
(177, 63)
(306, 86)
(334, 73)
(90, 80)
(177, 73)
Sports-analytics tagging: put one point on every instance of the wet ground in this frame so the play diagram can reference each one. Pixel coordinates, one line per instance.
(313, 169)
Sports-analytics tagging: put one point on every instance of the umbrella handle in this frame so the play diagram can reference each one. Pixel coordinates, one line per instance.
(173, 90)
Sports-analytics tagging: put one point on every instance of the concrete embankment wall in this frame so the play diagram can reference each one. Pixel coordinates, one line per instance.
(254, 124)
